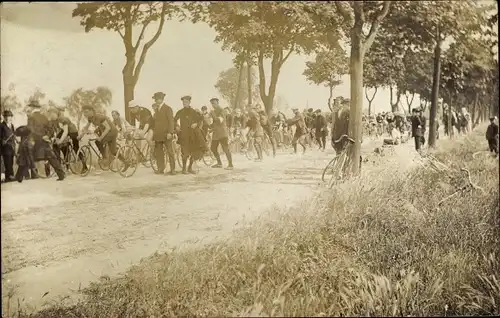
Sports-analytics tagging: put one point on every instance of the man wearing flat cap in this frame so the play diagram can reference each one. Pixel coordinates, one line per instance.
(8, 146)
(190, 135)
(320, 127)
(163, 133)
(41, 132)
(220, 134)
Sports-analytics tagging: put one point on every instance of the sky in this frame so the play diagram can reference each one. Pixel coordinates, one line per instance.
(43, 47)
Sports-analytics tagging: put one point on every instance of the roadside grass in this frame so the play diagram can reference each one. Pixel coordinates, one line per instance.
(372, 247)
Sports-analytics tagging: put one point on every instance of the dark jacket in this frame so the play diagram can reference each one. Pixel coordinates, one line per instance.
(39, 125)
(220, 129)
(7, 135)
(163, 122)
(492, 131)
(417, 126)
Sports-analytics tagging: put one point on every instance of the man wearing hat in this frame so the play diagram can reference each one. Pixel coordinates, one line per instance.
(163, 133)
(220, 134)
(8, 146)
(190, 135)
(300, 130)
(417, 127)
(321, 130)
(492, 135)
(41, 132)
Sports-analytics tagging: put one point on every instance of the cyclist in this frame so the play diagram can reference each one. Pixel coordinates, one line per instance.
(107, 136)
(266, 126)
(121, 125)
(145, 119)
(300, 130)
(255, 131)
(64, 130)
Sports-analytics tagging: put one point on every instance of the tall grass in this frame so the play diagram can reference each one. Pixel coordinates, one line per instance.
(374, 247)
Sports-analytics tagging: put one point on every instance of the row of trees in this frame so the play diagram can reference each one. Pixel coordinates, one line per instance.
(401, 43)
(100, 98)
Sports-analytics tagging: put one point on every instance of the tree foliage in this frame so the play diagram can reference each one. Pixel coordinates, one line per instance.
(327, 69)
(9, 100)
(227, 86)
(259, 31)
(100, 98)
(122, 17)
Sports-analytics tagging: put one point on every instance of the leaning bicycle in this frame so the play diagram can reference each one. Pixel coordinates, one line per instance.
(335, 170)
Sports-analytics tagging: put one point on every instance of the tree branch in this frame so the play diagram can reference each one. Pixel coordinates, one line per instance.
(121, 34)
(283, 60)
(343, 12)
(141, 35)
(375, 26)
(148, 44)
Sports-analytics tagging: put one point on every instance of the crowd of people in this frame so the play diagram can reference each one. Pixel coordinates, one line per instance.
(49, 135)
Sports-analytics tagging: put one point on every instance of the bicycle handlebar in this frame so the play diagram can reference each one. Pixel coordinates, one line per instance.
(344, 137)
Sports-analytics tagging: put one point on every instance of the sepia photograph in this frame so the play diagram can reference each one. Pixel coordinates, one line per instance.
(249, 159)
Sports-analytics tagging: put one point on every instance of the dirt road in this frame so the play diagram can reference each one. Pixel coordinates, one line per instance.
(59, 236)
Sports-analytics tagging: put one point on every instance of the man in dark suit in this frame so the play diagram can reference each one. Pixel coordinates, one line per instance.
(417, 128)
(41, 132)
(8, 145)
(163, 133)
(321, 130)
(191, 137)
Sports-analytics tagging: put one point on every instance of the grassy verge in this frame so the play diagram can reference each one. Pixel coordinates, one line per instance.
(380, 248)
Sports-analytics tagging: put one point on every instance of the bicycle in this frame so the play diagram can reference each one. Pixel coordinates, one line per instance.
(69, 161)
(86, 152)
(250, 151)
(177, 155)
(208, 157)
(337, 166)
(133, 155)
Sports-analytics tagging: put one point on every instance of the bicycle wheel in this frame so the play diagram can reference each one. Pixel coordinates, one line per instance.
(178, 154)
(208, 158)
(266, 144)
(74, 164)
(85, 153)
(130, 156)
(146, 154)
(250, 151)
(329, 168)
(338, 170)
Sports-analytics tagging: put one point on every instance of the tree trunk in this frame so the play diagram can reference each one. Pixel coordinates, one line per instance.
(474, 109)
(276, 63)
(249, 84)
(128, 88)
(395, 106)
(435, 94)
(451, 129)
(330, 98)
(237, 96)
(356, 109)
